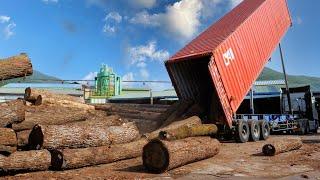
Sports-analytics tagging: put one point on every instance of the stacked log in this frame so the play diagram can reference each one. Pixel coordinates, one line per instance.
(81, 135)
(22, 137)
(50, 115)
(26, 160)
(160, 156)
(194, 120)
(14, 67)
(188, 131)
(8, 141)
(281, 145)
(76, 158)
(11, 112)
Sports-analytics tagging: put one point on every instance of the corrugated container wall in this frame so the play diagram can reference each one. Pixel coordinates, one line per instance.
(218, 68)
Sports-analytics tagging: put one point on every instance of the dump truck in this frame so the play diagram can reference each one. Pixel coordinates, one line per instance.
(217, 69)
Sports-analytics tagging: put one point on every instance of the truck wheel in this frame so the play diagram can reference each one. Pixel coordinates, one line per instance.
(254, 130)
(265, 130)
(242, 131)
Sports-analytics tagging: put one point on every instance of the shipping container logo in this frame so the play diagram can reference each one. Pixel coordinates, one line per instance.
(228, 57)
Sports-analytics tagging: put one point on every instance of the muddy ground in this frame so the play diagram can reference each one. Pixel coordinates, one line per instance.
(234, 161)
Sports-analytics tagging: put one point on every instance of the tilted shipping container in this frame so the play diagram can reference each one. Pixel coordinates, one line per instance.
(217, 69)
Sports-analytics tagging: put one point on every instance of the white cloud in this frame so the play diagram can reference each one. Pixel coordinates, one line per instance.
(90, 76)
(8, 30)
(298, 20)
(111, 20)
(146, 19)
(139, 55)
(4, 19)
(50, 1)
(128, 77)
(234, 3)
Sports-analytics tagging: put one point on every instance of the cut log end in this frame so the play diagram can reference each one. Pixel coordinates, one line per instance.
(36, 138)
(155, 156)
(56, 160)
(269, 150)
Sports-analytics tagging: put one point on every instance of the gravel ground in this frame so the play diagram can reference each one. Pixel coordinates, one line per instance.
(236, 161)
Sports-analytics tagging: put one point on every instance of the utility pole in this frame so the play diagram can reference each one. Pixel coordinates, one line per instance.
(286, 80)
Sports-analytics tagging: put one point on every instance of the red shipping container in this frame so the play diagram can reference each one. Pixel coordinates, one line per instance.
(217, 69)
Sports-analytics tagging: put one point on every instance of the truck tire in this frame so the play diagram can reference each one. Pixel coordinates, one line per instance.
(254, 130)
(242, 131)
(265, 130)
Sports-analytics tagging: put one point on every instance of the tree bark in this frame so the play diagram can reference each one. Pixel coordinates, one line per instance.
(194, 120)
(160, 156)
(189, 131)
(50, 115)
(14, 67)
(26, 160)
(81, 136)
(12, 112)
(77, 158)
(281, 145)
(8, 141)
(23, 137)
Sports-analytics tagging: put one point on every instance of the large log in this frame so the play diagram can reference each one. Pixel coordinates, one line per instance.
(8, 141)
(160, 156)
(76, 158)
(189, 131)
(26, 160)
(11, 112)
(16, 66)
(38, 97)
(50, 115)
(281, 145)
(194, 120)
(81, 136)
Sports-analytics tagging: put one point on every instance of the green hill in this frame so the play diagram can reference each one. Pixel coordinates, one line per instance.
(36, 77)
(294, 81)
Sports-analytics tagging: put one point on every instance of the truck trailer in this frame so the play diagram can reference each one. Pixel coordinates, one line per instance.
(217, 69)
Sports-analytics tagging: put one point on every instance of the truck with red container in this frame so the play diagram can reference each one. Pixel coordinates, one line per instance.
(217, 69)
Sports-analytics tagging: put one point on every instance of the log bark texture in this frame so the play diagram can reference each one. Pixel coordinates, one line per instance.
(281, 146)
(81, 136)
(23, 137)
(194, 120)
(12, 112)
(26, 160)
(160, 156)
(76, 158)
(8, 141)
(189, 131)
(50, 115)
(14, 67)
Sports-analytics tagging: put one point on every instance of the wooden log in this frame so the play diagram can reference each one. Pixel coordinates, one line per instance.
(81, 136)
(281, 145)
(160, 156)
(50, 115)
(139, 115)
(189, 131)
(12, 112)
(8, 141)
(194, 120)
(15, 66)
(26, 160)
(120, 107)
(77, 158)
(23, 137)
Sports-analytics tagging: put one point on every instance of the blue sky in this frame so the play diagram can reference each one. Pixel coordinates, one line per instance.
(70, 39)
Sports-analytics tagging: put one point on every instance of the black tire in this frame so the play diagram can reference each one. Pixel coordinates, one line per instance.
(254, 130)
(265, 130)
(242, 131)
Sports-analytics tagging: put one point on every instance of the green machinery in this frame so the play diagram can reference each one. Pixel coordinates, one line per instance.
(107, 83)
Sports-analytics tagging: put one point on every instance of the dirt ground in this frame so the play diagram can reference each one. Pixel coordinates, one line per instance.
(236, 161)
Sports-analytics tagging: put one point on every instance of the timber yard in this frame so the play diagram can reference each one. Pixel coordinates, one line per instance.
(219, 120)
